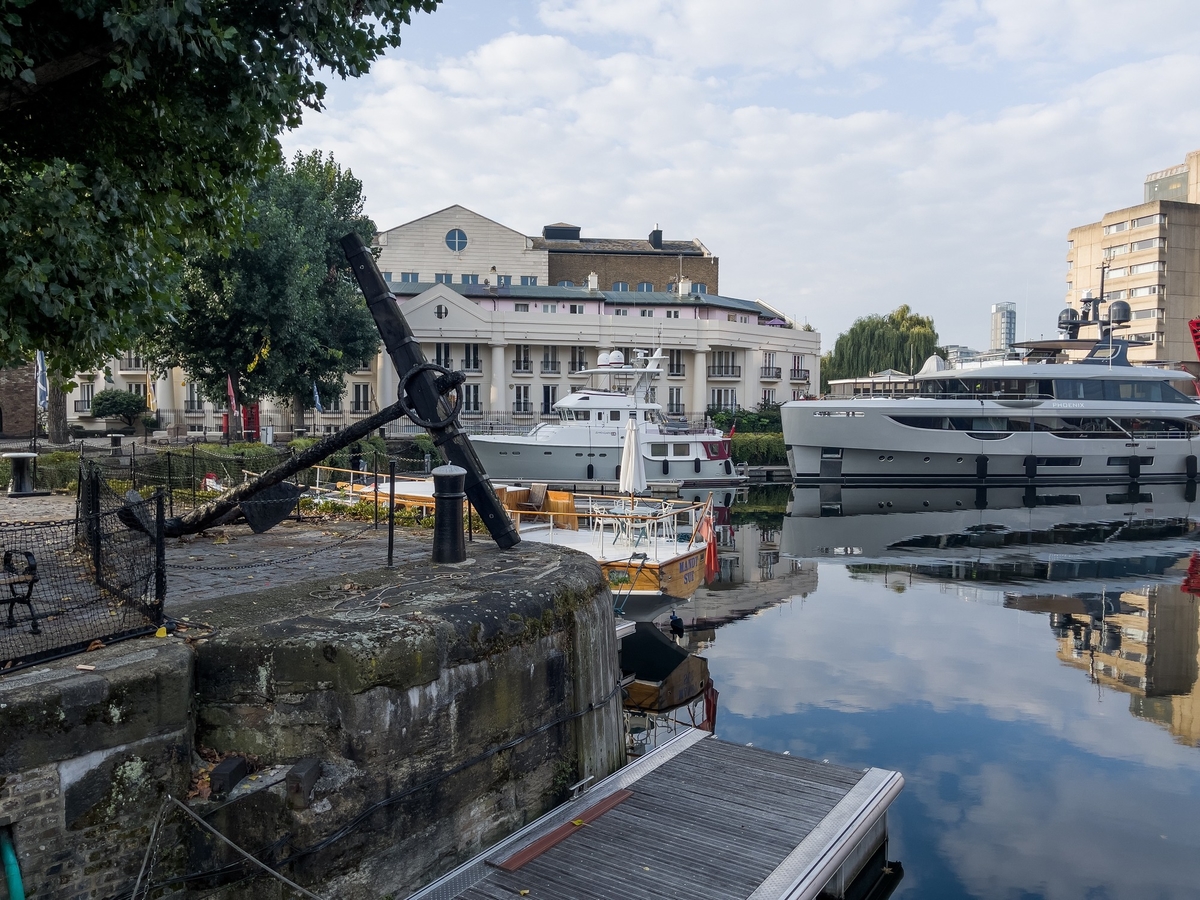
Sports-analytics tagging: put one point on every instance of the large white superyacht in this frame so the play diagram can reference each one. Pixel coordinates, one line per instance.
(1099, 418)
(584, 445)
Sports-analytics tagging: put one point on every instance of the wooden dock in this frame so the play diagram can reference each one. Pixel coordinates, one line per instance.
(698, 818)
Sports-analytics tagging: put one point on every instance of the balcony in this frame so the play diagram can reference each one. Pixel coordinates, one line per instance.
(675, 409)
(678, 371)
(550, 367)
(83, 406)
(471, 365)
(360, 409)
(522, 407)
(522, 367)
(193, 406)
(131, 364)
(576, 366)
(724, 371)
(798, 375)
(770, 373)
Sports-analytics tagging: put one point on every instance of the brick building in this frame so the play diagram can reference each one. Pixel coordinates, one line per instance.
(626, 264)
(17, 400)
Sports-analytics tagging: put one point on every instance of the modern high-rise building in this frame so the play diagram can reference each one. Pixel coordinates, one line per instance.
(1149, 256)
(1004, 325)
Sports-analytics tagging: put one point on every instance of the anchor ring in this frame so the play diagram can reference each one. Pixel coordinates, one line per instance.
(432, 424)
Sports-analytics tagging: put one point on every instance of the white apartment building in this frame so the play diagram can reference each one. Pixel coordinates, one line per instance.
(475, 294)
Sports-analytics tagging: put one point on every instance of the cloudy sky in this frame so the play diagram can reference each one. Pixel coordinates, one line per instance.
(840, 156)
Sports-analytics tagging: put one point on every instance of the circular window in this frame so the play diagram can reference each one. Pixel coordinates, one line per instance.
(440, 311)
(456, 239)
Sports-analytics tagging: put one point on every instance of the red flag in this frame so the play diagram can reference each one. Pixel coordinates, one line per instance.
(712, 564)
(232, 396)
(732, 429)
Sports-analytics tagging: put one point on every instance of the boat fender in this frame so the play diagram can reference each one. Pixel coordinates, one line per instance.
(981, 498)
(666, 467)
(1135, 466)
(728, 467)
(981, 466)
(618, 471)
(1189, 492)
(1031, 467)
(1190, 467)
(696, 464)
(591, 471)
(1030, 498)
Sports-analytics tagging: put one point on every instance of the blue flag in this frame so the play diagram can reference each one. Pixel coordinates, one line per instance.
(43, 387)
(317, 399)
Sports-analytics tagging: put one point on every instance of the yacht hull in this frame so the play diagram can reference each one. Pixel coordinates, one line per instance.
(862, 442)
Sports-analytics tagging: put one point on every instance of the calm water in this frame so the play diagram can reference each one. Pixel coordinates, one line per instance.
(1049, 751)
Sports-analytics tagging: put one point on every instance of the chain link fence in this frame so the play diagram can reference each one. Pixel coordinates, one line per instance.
(64, 586)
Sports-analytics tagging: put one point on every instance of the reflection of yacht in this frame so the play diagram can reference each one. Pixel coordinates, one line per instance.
(1044, 420)
(1063, 532)
(584, 445)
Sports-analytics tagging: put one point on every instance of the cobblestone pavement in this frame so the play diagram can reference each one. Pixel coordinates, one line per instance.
(234, 560)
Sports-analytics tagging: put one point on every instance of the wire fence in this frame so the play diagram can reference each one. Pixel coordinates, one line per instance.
(68, 585)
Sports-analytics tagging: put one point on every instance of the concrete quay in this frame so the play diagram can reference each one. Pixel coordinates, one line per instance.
(445, 706)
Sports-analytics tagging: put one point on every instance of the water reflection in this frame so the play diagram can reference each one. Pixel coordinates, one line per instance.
(1030, 661)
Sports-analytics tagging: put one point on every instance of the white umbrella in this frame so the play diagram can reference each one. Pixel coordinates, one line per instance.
(633, 467)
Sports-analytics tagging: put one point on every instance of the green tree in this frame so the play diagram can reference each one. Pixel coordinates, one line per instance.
(279, 310)
(900, 340)
(117, 404)
(129, 131)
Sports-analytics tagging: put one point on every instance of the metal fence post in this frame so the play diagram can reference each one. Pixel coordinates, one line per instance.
(375, 483)
(93, 514)
(448, 496)
(160, 552)
(391, 508)
(170, 484)
(133, 467)
(193, 478)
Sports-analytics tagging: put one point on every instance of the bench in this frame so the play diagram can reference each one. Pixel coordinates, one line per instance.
(18, 581)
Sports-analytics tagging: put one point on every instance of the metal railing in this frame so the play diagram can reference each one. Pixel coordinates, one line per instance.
(550, 367)
(724, 371)
(471, 365)
(522, 406)
(83, 406)
(675, 409)
(770, 373)
(520, 366)
(678, 371)
(577, 366)
(798, 375)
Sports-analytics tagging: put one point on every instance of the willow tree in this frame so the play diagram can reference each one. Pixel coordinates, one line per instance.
(900, 340)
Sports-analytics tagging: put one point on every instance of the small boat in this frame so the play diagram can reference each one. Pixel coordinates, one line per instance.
(585, 444)
(646, 548)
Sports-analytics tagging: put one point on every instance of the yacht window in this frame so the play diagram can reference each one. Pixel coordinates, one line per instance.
(633, 414)
(647, 415)
(614, 416)
(679, 449)
(1139, 391)
(658, 449)
(582, 415)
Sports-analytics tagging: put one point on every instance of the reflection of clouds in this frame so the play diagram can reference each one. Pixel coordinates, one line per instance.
(855, 647)
(1055, 834)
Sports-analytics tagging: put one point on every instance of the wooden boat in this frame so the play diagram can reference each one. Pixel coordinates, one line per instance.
(645, 547)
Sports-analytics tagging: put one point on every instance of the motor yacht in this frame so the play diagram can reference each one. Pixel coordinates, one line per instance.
(1041, 419)
(584, 445)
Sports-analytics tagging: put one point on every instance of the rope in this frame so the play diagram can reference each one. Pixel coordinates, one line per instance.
(262, 865)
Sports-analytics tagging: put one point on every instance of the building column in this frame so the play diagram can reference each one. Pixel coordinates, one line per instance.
(496, 389)
(386, 381)
(699, 401)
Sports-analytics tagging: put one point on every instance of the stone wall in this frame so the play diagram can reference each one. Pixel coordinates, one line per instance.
(17, 399)
(446, 705)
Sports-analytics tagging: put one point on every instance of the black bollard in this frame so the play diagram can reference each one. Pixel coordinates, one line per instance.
(448, 495)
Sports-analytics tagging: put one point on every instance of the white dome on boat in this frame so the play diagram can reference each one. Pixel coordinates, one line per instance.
(934, 364)
(602, 359)
(616, 358)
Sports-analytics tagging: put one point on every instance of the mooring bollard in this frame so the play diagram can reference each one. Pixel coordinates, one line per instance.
(448, 543)
(114, 441)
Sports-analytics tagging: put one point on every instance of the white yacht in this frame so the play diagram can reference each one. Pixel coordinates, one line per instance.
(584, 445)
(1099, 418)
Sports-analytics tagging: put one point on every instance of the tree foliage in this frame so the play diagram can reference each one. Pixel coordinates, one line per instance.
(129, 131)
(900, 340)
(280, 309)
(117, 404)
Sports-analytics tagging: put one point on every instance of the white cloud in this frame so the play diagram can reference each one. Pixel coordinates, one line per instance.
(623, 115)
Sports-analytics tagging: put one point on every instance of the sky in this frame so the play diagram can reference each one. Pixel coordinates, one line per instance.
(841, 157)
